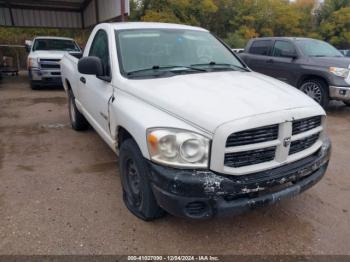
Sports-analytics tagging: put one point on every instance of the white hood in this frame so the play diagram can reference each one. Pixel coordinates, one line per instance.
(47, 54)
(211, 99)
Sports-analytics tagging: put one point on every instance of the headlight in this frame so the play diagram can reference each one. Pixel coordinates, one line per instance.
(178, 148)
(338, 71)
(32, 62)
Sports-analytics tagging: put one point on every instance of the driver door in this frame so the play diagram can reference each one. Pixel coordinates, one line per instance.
(96, 91)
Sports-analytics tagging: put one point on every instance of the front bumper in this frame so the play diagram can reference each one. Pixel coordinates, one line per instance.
(45, 77)
(339, 93)
(204, 194)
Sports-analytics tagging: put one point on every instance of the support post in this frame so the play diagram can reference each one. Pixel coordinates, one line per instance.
(122, 10)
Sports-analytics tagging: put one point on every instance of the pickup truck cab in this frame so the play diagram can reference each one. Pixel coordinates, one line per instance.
(313, 66)
(45, 53)
(198, 133)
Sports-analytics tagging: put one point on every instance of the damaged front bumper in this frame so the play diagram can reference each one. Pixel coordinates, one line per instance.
(204, 194)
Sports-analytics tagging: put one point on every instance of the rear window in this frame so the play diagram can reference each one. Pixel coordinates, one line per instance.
(260, 47)
(281, 46)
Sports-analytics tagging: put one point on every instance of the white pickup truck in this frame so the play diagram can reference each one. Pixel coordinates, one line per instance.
(198, 133)
(45, 53)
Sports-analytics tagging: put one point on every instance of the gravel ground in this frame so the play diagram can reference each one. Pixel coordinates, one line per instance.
(60, 193)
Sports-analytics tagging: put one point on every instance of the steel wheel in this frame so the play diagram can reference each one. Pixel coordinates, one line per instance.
(137, 190)
(134, 196)
(313, 90)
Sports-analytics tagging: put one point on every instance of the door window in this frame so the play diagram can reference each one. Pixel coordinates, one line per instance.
(282, 46)
(99, 48)
(260, 47)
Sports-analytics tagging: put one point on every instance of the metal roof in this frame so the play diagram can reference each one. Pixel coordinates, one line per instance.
(61, 13)
(154, 25)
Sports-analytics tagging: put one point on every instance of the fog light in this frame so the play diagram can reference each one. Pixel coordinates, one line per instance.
(197, 209)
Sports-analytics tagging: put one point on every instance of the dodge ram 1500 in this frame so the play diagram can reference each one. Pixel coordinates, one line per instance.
(198, 134)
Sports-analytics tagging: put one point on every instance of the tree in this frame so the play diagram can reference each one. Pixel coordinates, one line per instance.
(336, 29)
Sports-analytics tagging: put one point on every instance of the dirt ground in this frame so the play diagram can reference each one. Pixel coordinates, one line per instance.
(60, 193)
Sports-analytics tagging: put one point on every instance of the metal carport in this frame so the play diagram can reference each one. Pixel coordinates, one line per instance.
(61, 13)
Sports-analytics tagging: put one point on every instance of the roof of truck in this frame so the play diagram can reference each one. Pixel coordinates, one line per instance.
(53, 37)
(149, 25)
(281, 38)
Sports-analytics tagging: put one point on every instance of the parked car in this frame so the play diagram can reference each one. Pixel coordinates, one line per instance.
(313, 66)
(345, 52)
(45, 53)
(198, 134)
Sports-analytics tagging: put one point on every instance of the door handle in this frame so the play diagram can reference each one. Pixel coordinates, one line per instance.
(270, 61)
(83, 80)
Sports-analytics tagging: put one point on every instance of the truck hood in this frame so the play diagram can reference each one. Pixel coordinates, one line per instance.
(209, 100)
(49, 54)
(343, 62)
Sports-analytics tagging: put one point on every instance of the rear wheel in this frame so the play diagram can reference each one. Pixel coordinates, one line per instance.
(77, 119)
(317, 90)
(137, 192)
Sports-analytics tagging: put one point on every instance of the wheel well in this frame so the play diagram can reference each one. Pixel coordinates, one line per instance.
(67, 85)
(122, 135)
(310, 77)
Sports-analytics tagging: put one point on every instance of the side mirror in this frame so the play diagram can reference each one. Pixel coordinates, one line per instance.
(28, 45)
(77, 55)
(290, 54)
(90, 65)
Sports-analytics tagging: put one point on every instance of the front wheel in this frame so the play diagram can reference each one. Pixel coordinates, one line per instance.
(347, 103)
(134, 174)
(317, 90)
(34, 86)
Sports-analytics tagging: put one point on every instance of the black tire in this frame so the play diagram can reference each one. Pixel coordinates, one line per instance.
(77, 120)
(317, 89)
(34, 86)
(134, 174)
(347, 103)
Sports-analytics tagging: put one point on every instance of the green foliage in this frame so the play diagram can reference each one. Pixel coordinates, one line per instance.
(237, 21)
(18, 36)
(235, 40)
(336, 29)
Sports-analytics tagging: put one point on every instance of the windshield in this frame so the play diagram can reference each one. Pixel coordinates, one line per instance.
(55, 44)
(147, 52)
(317, 48)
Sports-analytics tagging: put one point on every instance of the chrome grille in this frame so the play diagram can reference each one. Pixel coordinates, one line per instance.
(50, 66)
(306, 124)
(251, 157)
(50, 63)
(261, 145)
(253, 136)
(302, 144)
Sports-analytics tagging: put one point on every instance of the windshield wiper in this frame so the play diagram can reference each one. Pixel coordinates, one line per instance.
(221, 65)
(157, 68)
